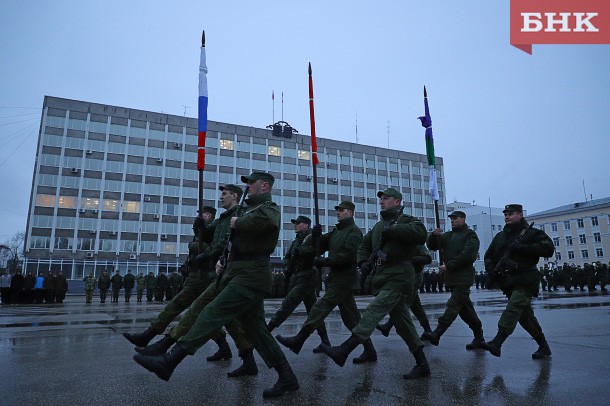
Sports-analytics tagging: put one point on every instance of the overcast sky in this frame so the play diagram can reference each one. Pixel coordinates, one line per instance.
(511, 127)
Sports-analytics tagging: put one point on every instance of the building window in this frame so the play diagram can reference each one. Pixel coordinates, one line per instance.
(558, 256)
(275, 151)
(303, 155)
(553, 226)
(493, 227)
(594, 221)
(599, 252)
(542, 227)
(569, 240)
(582, 238)
(570, 254)
(45, 200)
(584, 254)
(581, 223)
(556, 241)
(566, 225)
(474, 227)
(226, 144)
(597, 237)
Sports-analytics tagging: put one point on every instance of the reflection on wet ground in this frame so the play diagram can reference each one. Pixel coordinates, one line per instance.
(47, 352)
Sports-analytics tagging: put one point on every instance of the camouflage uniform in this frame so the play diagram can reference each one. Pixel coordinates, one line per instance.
(89, 287)
(103, 284)
(117, 284)
(129, 281)
(141, 285)
(151, 285)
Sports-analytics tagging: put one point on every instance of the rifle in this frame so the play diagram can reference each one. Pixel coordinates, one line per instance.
(370, 265)
(499, 269)
(224, 258)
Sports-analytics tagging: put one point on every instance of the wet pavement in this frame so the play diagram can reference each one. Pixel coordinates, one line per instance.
(74, 354)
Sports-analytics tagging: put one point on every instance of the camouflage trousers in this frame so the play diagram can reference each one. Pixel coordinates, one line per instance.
(396, 304)
(127, 294)
(334, 295)
(519, 310)
(190, 318)
(88, 295)
(416, 307)
(299, 293)
(459, 304)
(193, 287)
(241, 303)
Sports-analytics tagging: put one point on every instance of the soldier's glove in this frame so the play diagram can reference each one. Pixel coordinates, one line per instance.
(510, 265)
(320, 262)
(202, 259)
(316, 231)
(199, 223)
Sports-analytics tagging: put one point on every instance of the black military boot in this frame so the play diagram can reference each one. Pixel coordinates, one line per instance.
(224, 352)
(368, 355)
(477, 341)
(543, 351)
(427, 329)
(495, 346)
(247, 368)
(385, 328)
(162, 365)
(421, 368)
(435, 336)
(294, 343)
(324, 338)
(286, 382)
(339, 354)
(271, 326)
(158, 348)
(141, 339)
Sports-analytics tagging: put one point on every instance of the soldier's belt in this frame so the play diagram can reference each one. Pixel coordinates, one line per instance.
(380, 262)
(242, 257)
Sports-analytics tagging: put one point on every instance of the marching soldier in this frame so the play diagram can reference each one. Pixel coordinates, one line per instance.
(515, 251)
(299, 263)
(458, 248)
(246, 281)
(129, 282)
(89, 287)
(342, 245)
(391, 243)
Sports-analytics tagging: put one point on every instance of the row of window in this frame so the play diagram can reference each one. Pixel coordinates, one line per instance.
(582, 239)
(105, 245)
(567, 224)
(584, 254)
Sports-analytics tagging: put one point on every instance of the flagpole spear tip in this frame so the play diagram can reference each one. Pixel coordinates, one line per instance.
(309, 69)
(203, 39)
(425, 92)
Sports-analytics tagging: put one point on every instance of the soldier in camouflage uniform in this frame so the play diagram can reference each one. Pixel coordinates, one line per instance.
(342, 245)
(141, 285)
(421, 259)
(459, 248)
(175, 282)
(195, 283)
(89, 287)
(117, 284)
(246, 281)
(103, 284)
(519, 280)
(395, 239)
(299, 269)
(151, 285)
(129, 281)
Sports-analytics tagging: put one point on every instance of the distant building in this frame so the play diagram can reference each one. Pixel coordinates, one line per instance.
(579, 231)
(485, 221)
(115, 187)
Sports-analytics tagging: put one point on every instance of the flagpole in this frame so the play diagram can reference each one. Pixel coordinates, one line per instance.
(202, 129)
(314, 152)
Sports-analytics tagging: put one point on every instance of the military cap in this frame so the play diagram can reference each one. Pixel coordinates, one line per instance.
(208, 209)
(513, 207)
(301, 219)
(457, 213)
(346, 205)
(267, 177)
(232, 188)
(390, 192)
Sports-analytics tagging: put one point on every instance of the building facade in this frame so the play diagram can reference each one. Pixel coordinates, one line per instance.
(116, 187)
(579, 231)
